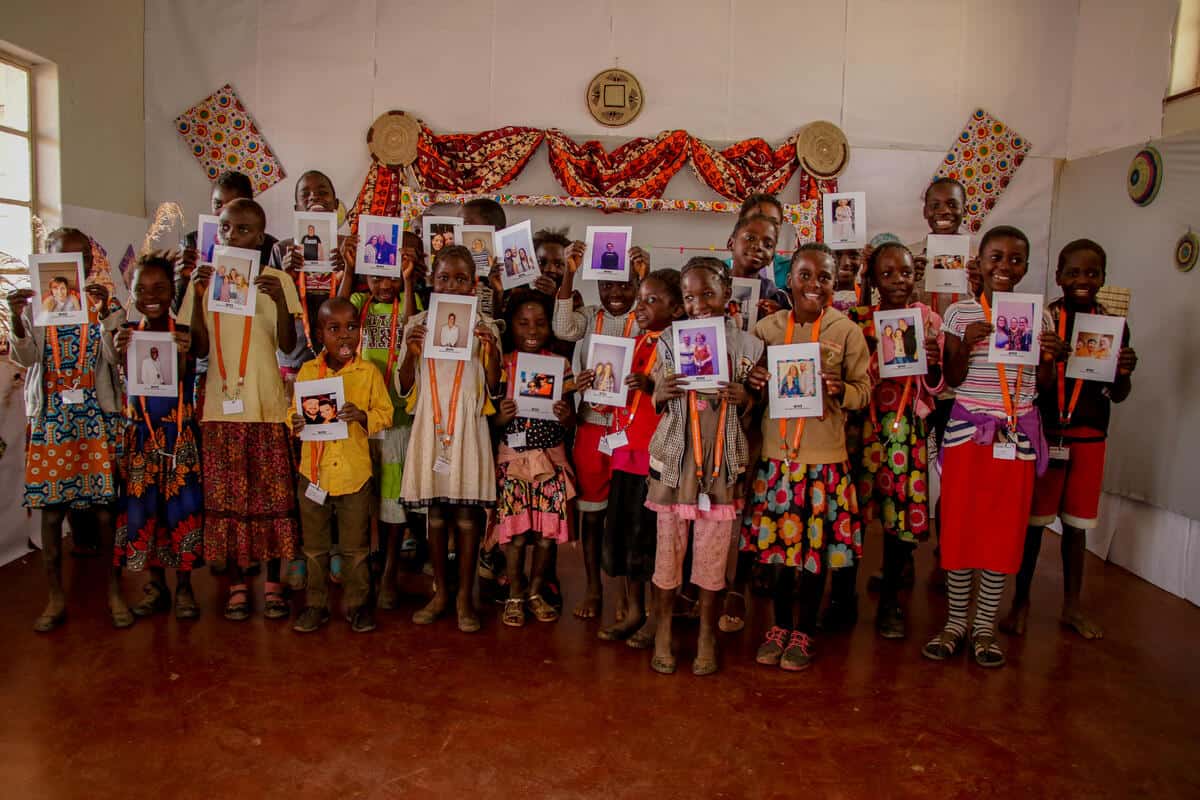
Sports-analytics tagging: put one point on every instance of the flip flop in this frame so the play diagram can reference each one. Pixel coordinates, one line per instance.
(663, 665)
(48, 622)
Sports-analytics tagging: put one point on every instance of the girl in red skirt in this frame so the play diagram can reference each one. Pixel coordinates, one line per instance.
(992, 451)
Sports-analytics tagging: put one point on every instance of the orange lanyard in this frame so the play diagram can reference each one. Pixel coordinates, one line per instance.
(178, 407)
(302, 287)
(629, 319)
(794, 449)
(316, 450)
(392, 351)
(652, 338)
(445, 434)
(1064, 411)
(904, 395)
(221, 353)
(1010, 399)
(698, 444)
(81, 360)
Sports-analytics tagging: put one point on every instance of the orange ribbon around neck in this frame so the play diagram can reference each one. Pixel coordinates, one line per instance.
(392, 350)
(178, 406)
(698, 443)
(81, 359)
(793, 451)
(1065, 412)
(629, 320)
(652, 338)
(445, 434)
(221, 354)
(1010, 399)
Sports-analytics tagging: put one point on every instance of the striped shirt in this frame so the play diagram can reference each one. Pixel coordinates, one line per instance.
(980, 392)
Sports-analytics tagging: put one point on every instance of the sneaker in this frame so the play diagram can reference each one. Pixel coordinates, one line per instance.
(840, 615)
(771, 649)
(311, 619)
(889, 621)
(362, 619)
(799, 653)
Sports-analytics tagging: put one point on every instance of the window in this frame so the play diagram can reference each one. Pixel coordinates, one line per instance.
(1185, 54)
(16, 160)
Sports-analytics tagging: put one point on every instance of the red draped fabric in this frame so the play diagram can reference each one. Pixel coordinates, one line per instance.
(745, 167)
(379, 196)
(474, 162)
(639, 168)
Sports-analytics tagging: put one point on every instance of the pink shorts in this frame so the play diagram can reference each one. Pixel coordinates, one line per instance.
(1071, 489)
(593, 469)
(710, 551)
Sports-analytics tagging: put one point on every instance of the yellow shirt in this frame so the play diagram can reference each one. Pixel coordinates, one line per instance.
(263, 396)
(346, 463)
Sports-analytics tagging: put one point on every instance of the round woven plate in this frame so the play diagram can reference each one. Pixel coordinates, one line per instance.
(615, 97)
(1187, 251)
(393, 139)
(822, 149)
(1145, 176)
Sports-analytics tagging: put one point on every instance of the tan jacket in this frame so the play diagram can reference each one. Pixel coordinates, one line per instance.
(843, 348)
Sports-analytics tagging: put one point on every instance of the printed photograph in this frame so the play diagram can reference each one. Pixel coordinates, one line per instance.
(611, 358)
(150, 370)
(1095, 347)
(700, 352)
(607, 255)
(379, 241)
(795, 388)
(57, 281)
(537, 384)
(439, 232)
(207, 237)
(900, 343)
(518, 258)
(845, 220)
(947, 263)
(798, 378)
(231, 288)
(479, 239)
(450, 327)
(742, 307)
(318, 403)
(315, 232)
(1016, 322)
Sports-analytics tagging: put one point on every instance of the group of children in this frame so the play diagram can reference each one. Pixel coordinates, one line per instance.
(678, 480)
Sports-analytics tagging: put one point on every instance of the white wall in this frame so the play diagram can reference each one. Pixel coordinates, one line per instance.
(901, 78)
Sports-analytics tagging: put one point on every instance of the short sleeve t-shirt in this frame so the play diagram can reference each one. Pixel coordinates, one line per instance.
(263, 396)
(980, 392)
(377, 345)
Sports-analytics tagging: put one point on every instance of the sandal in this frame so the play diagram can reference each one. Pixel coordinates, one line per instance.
(122, 618)
(663, 665)
(943, 646)
(48, 622)
(732, 623)
(275, 605)
(237, 609)
(185, 604)
(542, 611)
(156, 601)
(468, 622)
(704, 666)
(642, 640)
(986, 651)
(514, 612)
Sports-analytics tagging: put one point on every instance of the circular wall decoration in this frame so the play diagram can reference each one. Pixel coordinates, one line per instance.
(1145, 176)
(822, 149)
(393, 139)
(1187, 251)
(615, 97)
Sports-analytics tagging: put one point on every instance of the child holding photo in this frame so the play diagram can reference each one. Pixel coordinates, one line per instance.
(75, 421)
(382, 316)
(161, 520)
(992, 453)
(536, 482)
(630, 529)
(244, 431)
(340, 470)
(697, 457)
(614, 316)
(888, 443)
(450, 468)
(802, 517)
(753, 244)
(1075, 416)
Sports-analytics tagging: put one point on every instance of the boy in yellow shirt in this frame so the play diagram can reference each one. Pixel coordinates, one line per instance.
(335, 476)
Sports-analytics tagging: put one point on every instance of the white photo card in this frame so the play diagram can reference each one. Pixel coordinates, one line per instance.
(795, 385)
(900, 337)
(380, 240)
(518, 257)
(701, 352)
(537, 385)
(231, 288)
(152, 365)
(450, 327)
(845, 220)
(611, 359)
(946, 268)
(315, 233)
(207, 237)
(319, 402)
(743, 303)
(439, 232)
(1095, 346)
(58, 297)
(481, 241)
(606, 257)
(1016, 325)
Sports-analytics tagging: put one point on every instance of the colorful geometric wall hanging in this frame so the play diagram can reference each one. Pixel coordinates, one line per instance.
(1187, 250)
(1145, 176)
(222, 136)
(983, 160)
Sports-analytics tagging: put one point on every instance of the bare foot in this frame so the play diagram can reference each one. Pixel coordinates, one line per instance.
(433, 609)
(118, 609)
(387, 597)
(53, 615)
(589, 608)
(1014, 624)
(624, 628)
(1075, 620)
(622, 607)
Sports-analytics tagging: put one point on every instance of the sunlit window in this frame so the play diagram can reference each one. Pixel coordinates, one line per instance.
(16, 159)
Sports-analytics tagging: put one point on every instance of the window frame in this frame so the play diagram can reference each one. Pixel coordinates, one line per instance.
(28, 135)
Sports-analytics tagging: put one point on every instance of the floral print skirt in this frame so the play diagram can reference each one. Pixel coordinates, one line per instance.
(537, 507)
(891, 473)
(802, 515)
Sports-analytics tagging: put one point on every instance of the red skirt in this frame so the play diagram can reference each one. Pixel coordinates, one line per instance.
(985, 509)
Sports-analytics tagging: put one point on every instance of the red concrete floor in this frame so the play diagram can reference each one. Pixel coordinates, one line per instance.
(216, 709)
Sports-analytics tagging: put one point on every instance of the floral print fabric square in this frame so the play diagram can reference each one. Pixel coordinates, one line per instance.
(222, 136)
(983, 159)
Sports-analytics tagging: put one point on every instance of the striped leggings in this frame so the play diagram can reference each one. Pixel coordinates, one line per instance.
(987, 600)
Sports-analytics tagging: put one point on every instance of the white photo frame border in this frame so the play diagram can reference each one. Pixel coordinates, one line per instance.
(1095, 369)
(361, 266)
(55, 319)
(859, 223)
(326, 432)
(224, 306)
(134, 386)
(328, 226)
(914, 318)
(619, 398)
(436, 351)
(427, 224)
(1009, 357)
(588, 272)
(721, 346)
(799, 407)
(755, 287)
(947, 281)
(537, 407)
(473, 231)
(215, 223)
(519, 234)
